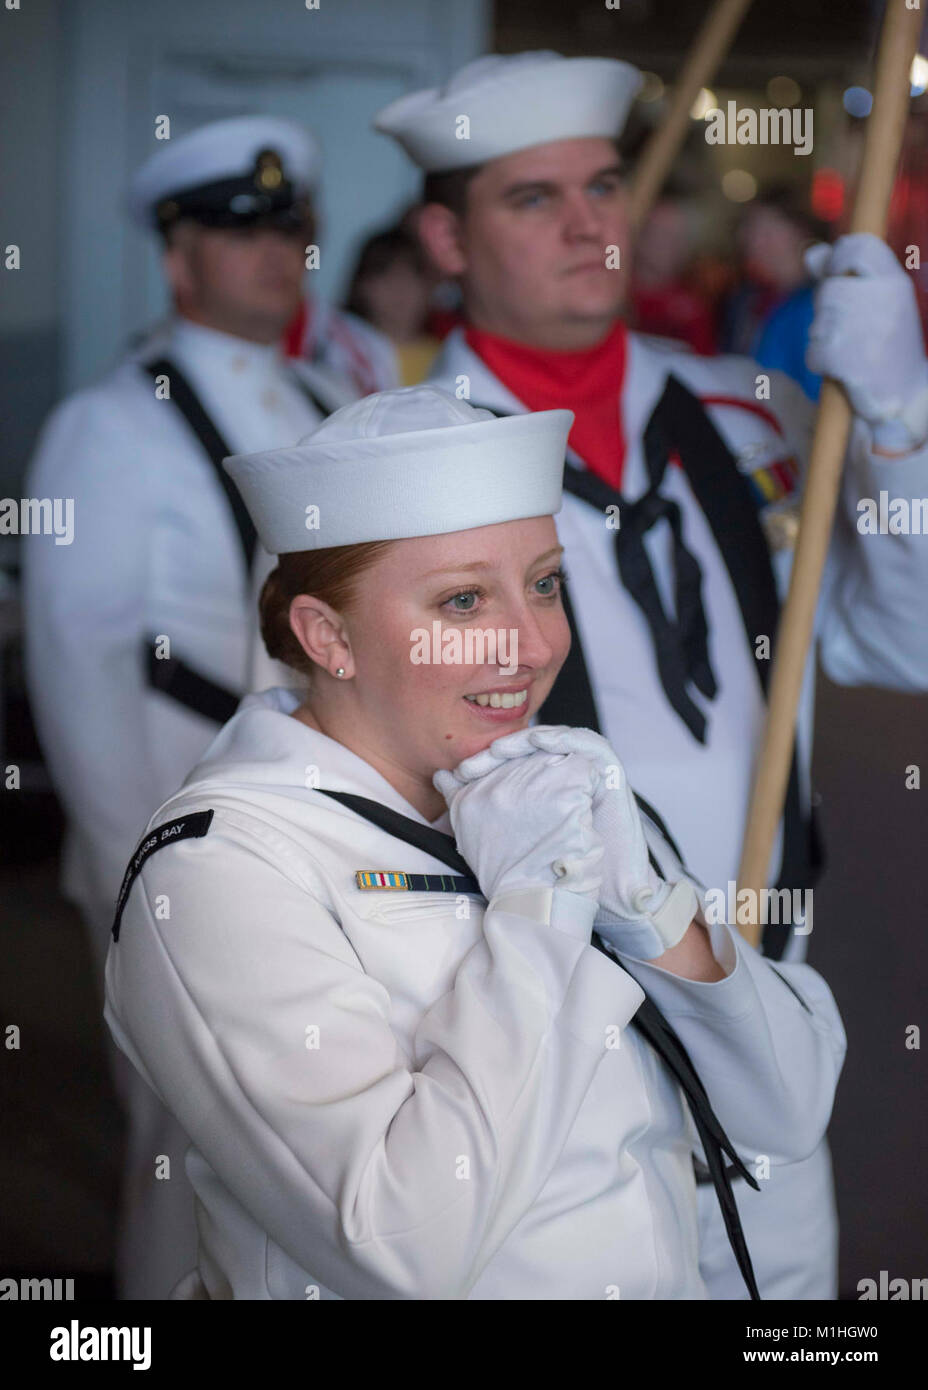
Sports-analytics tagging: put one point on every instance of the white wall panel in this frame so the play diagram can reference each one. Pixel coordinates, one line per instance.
(195, 61)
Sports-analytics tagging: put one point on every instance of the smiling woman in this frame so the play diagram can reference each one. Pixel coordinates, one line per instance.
(384, 1042)
(420, 648)
(422, 678)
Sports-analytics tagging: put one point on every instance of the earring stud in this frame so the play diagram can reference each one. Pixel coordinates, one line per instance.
(340, 671)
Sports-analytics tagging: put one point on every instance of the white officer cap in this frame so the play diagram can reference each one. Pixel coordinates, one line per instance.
(410, 462)
(510, 103)
(227, 172)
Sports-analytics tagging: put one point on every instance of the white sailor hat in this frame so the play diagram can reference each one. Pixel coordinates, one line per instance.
(410, 462)
(229, 173)
(510, 102)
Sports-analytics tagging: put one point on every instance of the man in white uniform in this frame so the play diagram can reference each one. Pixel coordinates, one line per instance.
(139, 634)
(681, 478)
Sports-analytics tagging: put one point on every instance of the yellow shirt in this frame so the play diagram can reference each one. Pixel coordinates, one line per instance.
(414, 359)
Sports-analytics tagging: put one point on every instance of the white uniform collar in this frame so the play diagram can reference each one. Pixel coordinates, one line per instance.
(222, 352)
(262, 747)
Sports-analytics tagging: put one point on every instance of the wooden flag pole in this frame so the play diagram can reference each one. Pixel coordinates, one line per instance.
(704, 59)
(885, 126)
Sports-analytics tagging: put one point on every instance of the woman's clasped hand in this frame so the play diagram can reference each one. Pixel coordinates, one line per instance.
(550, 806)
(523, 818)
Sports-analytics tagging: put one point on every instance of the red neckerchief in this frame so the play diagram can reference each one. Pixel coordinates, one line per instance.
(295, 332)
(301, 339)
(589, 383)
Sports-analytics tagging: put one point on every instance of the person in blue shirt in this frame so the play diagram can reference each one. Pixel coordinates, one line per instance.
(784, 336)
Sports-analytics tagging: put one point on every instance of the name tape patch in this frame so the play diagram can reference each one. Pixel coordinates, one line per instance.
(191, 827)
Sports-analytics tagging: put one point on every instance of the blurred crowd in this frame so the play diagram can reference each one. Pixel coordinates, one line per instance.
(750, 292)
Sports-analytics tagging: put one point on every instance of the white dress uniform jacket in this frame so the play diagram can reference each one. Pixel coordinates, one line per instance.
(155, 553)
(870, 629)
(407, 1095)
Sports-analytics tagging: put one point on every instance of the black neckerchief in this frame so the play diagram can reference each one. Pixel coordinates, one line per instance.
(680, 421)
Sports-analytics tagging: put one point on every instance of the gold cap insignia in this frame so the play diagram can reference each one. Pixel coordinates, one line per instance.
(269, 172)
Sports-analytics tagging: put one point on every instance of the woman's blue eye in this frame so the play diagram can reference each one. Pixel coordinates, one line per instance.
(468, 593)
(559, 574)
(475, 594)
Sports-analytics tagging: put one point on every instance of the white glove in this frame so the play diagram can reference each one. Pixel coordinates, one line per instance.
(524, 819)
(867, 334)
(641, 914)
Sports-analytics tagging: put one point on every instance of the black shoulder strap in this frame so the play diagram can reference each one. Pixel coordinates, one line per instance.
(303, 385)
(190, 688)
(727, 500)
(214, 446)
(648, 810)
(652, 1025)
(424, 837)
(436, 842)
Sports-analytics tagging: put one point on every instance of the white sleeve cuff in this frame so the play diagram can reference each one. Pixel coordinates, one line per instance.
(572, 913)
(732, 997)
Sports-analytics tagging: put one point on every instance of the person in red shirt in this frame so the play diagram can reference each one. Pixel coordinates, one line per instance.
(663, 299)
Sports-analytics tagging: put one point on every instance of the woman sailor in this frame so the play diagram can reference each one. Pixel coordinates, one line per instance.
(415, 1066)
